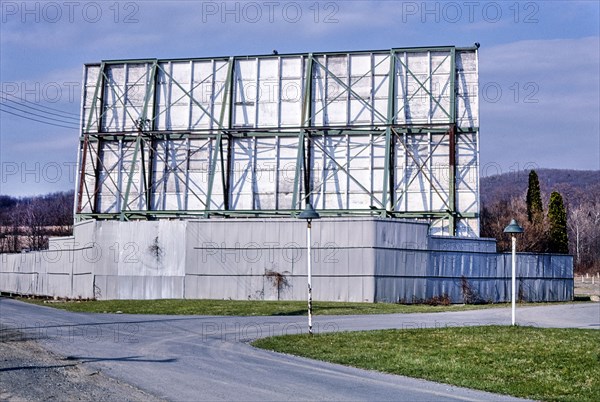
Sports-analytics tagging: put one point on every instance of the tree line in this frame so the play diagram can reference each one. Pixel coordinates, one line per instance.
(28, 222)
(552, 224)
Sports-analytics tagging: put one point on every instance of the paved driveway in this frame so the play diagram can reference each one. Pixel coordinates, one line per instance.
(208, 358)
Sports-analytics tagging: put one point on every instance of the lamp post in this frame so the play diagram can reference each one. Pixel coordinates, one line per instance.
(309, 214)
(513, 228)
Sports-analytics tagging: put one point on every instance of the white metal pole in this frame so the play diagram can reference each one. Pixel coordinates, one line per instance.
(309, 279)
(514, 277)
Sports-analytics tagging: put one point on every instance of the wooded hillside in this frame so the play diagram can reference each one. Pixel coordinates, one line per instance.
(504, 197)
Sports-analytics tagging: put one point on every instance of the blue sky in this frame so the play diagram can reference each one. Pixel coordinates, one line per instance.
(539, 66)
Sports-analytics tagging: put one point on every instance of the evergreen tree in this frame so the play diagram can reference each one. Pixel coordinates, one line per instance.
(557, 218)
(534, 198)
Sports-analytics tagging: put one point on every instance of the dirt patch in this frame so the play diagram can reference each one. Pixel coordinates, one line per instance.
(28, 372)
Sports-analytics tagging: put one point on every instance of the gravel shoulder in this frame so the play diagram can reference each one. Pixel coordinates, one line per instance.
(28, 372)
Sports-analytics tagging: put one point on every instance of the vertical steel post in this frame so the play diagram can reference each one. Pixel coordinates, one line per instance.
(388, 177)
(138, 141)
(98, 97)
(226, 167)
(136, 150)
(226, 170)
(307, 164)
(514, 278)
(309, 257)
(299, 164)
(305, 121)
(217, 148)
(452, 179)
(83, 162)
(452, 145)
(97, 170)
(149, 177)
(211, 174)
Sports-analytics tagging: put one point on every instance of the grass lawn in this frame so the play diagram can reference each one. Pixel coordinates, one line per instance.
(538, 363)
(246, 307)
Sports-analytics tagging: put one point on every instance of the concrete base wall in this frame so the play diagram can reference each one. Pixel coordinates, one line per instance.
(368, 260)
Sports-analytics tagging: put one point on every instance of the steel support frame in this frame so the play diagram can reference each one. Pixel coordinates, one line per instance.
(147, 133)
(302, 158)
(453, 212)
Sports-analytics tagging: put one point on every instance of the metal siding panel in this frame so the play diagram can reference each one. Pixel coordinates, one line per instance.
(91, 110)
(467, 107)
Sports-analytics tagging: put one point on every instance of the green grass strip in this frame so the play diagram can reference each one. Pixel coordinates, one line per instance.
(537, 363)
(246, 307)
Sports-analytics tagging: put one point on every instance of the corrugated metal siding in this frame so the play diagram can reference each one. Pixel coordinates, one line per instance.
(354, 259)
(403, 276)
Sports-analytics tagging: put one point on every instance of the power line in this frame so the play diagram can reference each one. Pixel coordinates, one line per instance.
(37, 115)
(40, 110)
(39, 121)
(33, 103)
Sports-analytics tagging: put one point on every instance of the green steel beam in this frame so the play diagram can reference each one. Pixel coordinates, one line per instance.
(283, 55)
(388, 164)
(226, 160)
(130, 61)
(285, 132)
(98, 164)
(453, 88)
(452, 148)
(131, 170)
(142, 214)
(97, 169)
(150, 93)
(82, 182)
(150, 183)
(305, 121)
(181, 136)
(149, 177)
(219, 139)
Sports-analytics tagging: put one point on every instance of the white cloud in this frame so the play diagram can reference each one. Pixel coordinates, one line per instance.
(557, 126)
(542, 56)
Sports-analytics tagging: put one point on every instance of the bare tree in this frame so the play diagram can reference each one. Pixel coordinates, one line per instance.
(497, 215)
(34, 221)
(583, 225)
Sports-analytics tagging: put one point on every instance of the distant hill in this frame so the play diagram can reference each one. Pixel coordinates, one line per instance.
(575, 186)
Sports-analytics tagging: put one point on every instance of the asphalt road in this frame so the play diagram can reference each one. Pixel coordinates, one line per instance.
(208, 358)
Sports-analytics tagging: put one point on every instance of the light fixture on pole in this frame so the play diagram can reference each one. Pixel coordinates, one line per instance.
(513, 228)
(309, 214)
